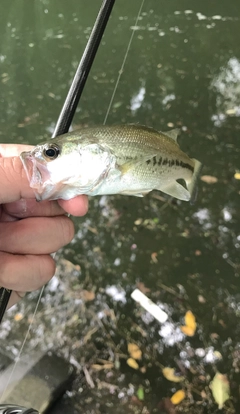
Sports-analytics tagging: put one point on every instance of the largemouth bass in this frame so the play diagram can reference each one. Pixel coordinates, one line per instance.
(123, 159)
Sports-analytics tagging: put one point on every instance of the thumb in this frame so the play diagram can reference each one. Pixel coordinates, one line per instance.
(13, 179)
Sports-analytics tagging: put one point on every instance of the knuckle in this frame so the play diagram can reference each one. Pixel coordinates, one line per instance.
(67, 230)
(46, 270)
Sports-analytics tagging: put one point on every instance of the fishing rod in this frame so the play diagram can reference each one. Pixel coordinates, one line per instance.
(71, 102)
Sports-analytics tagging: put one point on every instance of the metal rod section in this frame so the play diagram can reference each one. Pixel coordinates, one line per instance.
(4, 298)
(75, 92)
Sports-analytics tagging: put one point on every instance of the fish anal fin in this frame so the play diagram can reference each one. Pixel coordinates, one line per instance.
(173, 134)
(136, 193)
(176, 190)
(192, 184)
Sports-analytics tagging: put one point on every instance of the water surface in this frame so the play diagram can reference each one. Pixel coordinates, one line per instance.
(182, 70)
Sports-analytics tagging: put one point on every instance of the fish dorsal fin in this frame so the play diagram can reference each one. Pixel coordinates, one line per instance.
(173, 134)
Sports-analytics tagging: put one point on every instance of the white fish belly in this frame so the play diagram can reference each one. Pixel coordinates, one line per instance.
(139, 180)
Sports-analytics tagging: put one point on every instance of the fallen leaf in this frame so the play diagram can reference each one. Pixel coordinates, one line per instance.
(143, 288)
(138, 221)
(18, 317)
(134, 351)
(167, 406)
(190, 320)
(178, 397)
(220, 389)
(140, 393)
(217, 354)
(88, 295)
(231, 111)
(237, 176)
(201, 299)
(187, 330)
(132, 363)
(169, 374)
(209, 179)
(154, 257)
(190, 324)
(99, 367)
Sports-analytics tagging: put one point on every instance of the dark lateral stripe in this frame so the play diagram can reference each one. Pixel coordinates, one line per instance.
(186, 165)
(169, 162)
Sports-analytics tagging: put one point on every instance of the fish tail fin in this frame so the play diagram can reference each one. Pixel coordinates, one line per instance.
(192, 184)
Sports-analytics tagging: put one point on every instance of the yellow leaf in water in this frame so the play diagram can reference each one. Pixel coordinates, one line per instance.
(209, 179)
(190, 324)
(220, 389)
(190, 320)
(169, 374)
(18, 317)
(134, 351)
(187, 330)
(178, 397)
(132, 363)
(237, 176)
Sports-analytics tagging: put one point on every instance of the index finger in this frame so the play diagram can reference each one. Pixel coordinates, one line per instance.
(12, 150)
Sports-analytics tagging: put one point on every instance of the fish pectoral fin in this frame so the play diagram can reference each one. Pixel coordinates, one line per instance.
(173, 134)
(177, 190)
(127, 166)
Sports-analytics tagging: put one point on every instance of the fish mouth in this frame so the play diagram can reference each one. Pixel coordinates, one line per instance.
(37, 174)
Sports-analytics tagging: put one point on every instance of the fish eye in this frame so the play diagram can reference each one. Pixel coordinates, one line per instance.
(51, 152)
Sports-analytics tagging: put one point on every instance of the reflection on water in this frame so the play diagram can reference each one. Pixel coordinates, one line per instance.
(227, 85)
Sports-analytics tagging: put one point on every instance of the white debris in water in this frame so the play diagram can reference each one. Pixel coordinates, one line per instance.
(171, 334)
(201, 16)
(211, 356)
(202, 215)
(135, 28)
(119, 295)
(137, 100)
(149, 306)
(117, 261)
(200, 352)
(227, 84)
(133, 257)
(53, 284)
(168, 98)
(226, 214)
(175, 29)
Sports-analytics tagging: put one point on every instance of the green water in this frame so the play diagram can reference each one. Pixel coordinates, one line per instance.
(182, 70)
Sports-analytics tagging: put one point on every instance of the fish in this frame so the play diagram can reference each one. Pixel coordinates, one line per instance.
(128, 159)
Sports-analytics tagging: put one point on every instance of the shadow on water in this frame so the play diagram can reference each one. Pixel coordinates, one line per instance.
(183, 70)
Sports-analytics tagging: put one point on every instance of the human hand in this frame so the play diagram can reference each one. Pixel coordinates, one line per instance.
(29, 231)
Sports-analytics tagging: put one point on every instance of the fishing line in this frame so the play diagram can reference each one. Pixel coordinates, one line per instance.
(23, 343)
(123, 64)
(104, 122)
